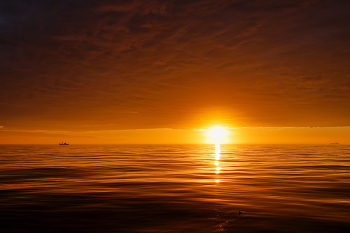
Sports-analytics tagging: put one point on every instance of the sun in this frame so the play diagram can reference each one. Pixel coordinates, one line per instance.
(217, 135)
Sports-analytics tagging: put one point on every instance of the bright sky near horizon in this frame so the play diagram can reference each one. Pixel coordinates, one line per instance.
(142, 71)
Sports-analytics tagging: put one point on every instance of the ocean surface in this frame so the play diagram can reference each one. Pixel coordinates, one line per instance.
(175, 188)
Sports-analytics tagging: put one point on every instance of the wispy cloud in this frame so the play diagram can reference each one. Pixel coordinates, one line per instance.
(177, 64)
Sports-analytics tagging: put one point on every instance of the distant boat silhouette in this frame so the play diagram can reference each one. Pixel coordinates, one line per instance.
(334, 143)
(63, 144)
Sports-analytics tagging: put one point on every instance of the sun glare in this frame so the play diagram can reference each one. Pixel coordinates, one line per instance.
(217, 135)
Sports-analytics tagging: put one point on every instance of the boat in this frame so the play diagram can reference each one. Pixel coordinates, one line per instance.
(334, 143)
(63, 144)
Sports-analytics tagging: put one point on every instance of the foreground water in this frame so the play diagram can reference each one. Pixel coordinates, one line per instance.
(175, 188)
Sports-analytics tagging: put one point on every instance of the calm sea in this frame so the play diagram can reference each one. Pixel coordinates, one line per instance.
(175, 188)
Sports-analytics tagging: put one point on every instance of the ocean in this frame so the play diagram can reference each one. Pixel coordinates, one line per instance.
(175, 188)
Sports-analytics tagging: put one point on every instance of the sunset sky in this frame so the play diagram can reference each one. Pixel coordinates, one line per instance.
(143, 71)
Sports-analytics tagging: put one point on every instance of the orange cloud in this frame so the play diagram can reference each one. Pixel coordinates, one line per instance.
(174, 64)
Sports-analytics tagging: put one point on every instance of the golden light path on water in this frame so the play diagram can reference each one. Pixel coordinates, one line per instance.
(216, 162)
(217, 135)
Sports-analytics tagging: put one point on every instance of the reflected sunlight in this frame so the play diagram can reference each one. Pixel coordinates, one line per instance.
(217, 149)
(217, 157)
(217, 152)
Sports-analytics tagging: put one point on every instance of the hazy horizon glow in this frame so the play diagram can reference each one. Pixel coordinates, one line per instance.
(217, 135)
(254, 135)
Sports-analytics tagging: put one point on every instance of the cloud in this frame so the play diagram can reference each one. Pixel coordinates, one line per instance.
(179, 64)
(43, 134)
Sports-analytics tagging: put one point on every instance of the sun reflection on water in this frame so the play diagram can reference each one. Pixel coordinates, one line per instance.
(216, 162)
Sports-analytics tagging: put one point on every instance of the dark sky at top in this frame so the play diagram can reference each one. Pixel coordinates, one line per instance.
(173, 64)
